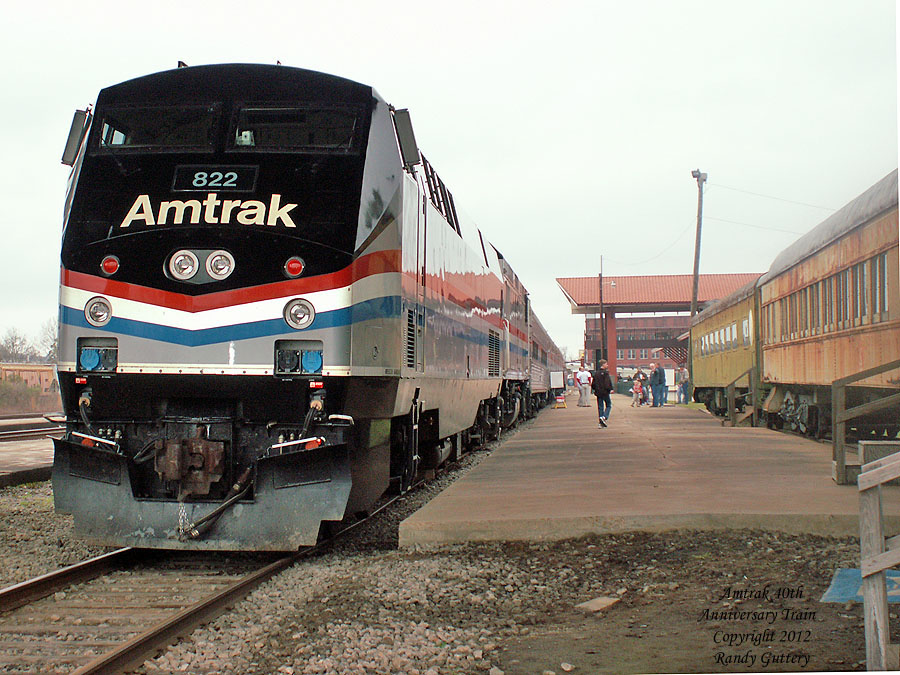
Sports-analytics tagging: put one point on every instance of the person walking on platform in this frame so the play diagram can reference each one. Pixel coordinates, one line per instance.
(657, 383)
(583, 380)
(602, 387)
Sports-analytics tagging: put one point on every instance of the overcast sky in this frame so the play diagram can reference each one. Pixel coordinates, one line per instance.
(566, 132)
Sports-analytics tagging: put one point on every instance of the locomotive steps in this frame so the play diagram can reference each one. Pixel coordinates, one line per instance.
(653, 469)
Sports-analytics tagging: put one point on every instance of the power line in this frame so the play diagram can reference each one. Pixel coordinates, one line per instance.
(758, 227)
(780, 199)
(662, 252)
(681, 234)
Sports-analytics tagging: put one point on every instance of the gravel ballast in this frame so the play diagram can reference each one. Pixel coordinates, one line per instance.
(364, 606)
(34, 539)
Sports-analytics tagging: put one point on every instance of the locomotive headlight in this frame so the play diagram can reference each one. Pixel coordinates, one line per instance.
(299, 313)
(98, 311)
(219, 264)
(184, 265)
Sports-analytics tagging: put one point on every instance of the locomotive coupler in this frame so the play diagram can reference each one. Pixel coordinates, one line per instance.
(194, 463)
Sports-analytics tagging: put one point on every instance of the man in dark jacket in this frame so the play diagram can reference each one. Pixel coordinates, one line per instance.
(657, 385)
(602, 387)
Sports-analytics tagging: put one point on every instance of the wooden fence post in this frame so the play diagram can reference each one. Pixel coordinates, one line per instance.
(874, 588)
(876, 556)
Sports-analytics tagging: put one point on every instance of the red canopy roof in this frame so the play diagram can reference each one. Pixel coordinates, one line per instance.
(657, 293)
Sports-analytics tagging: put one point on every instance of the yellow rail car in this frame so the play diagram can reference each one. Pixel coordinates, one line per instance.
(725, 345)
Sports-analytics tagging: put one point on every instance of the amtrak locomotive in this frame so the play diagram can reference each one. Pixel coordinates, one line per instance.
(271, 310)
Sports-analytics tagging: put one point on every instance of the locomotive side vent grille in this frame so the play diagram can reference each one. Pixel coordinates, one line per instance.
(410, 338)
(493, 354)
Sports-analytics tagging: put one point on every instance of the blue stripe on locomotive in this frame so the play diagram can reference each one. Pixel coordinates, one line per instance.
(379, 308)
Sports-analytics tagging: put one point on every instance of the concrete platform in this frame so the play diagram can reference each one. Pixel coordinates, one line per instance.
(653, 469)
(25, 461)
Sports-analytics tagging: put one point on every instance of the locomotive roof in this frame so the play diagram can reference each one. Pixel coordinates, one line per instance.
(873, 202)
(237, 81)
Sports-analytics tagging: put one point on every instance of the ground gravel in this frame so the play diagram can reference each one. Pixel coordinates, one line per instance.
(364, 606)
(510, 608)
(34, 539)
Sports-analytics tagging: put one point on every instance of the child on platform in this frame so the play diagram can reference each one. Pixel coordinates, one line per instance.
(636, 391)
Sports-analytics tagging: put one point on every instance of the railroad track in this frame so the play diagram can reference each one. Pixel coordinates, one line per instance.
(113, 612)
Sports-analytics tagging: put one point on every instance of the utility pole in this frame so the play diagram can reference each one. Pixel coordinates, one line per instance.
(701, 179)
(600, 353)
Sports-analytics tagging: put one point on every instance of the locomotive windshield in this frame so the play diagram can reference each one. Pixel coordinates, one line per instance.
(296, 129)
(253, 160)
(267, 128)
(159, 128)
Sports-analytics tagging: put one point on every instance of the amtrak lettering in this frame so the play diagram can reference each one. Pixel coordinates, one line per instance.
(250, 212)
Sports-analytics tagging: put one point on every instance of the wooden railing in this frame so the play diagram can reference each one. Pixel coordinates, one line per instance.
(876, 555)
(753, 392)
(840, 415)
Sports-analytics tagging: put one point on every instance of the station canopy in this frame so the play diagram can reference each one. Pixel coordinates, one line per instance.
(651, 293)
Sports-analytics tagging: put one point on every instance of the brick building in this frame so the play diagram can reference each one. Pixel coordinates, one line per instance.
(645, 339)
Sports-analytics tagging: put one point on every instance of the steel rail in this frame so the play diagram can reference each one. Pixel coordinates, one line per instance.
(136, 650)
(42, 586)
(139, 648)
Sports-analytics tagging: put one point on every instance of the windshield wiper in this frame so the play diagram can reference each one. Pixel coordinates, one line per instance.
(125, 172)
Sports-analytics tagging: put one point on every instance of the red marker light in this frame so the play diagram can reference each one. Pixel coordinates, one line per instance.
(294, 267)
(110, 265)
(87, 442)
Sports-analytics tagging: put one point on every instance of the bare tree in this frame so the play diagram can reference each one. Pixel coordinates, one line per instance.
(48, 339)
(15, 347)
